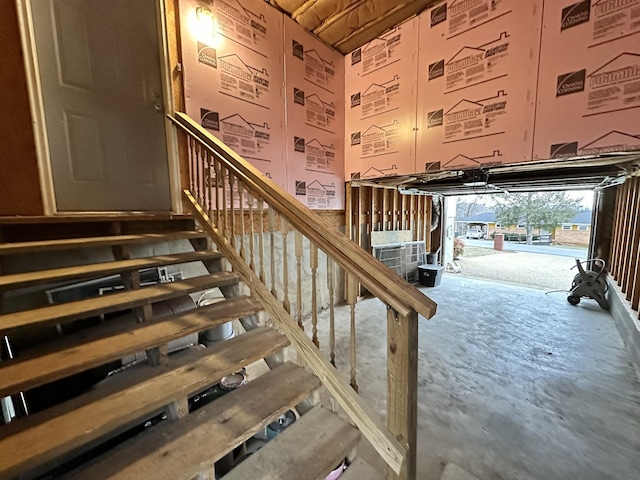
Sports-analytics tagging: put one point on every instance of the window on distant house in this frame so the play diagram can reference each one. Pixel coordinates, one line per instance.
(521, 225)
(583, 228)
(566, 227)
(498, 225)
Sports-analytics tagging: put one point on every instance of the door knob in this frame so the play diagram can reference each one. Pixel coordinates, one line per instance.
(157, 107)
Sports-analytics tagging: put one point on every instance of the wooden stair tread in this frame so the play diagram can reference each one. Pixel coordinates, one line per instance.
(102, 269)
(24, 374)
(308, 450)
(92, 242)
(360, 470)
(182, 449)
(66, 312)
(92, 217)
(55, 434)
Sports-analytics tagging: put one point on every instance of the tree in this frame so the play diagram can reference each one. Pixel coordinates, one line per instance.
(469, 206)
(545, 210)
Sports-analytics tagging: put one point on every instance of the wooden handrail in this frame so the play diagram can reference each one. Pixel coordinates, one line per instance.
(380, 280)
(387, 446)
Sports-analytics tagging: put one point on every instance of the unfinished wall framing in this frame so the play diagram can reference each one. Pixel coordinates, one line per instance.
(624, 255)
(378, 209)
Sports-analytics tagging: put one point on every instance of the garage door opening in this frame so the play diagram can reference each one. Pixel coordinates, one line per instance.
(513, 382)
(530, 239)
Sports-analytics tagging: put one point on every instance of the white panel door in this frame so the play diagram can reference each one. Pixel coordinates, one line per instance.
(99, 65)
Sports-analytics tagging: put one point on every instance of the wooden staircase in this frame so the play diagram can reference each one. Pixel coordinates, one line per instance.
(136, 423)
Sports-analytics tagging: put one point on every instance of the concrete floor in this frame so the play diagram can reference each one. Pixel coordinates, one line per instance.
(513, 383)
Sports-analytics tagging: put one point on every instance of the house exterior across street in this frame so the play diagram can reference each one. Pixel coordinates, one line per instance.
(574, 232)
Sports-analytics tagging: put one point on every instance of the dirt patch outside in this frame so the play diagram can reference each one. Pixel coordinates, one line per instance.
(547, 272)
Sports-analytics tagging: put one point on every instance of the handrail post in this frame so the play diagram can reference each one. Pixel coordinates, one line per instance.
(402, 386)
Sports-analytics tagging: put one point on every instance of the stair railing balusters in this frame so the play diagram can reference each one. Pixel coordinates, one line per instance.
(313, 261)
(332, 323)
(250, 202)
(192, 162)
(232, 207)
(243, 251)
(285, 265)
(199, 173)
(346, 258)
(272, 235)
(216, 166)
(225, 200)
(261, 238)
(352, 298)
(299, 279)
(207, 182)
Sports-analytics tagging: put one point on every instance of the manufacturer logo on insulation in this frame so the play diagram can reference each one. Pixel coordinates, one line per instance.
(209, 119)
(436, 70)
(207, 55)
(561, 150)
(435, 119)
(301, 188)
(298, 50)
(575, 14)
(569, 83)
(438, 14)
(355, 100)
(298, 96)
(298, 144)
(355, 139)
(356, 56)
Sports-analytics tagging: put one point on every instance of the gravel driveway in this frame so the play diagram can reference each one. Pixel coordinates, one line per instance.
(546, 272)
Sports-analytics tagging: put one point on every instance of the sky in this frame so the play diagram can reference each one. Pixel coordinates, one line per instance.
(585, 197)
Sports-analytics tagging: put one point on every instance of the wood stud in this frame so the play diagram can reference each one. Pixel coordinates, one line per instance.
(624, 255)
(634, 227)
(628, 237)
(372, 209)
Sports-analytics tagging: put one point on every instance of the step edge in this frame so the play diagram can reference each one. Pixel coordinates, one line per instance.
(73, 443)
(211, 412)
(17, 280)
(24, 318)
(198, 323)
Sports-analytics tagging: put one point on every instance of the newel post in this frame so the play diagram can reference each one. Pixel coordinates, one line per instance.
(402, 386)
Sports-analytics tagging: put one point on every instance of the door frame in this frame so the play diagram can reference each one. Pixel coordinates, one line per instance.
(34, 87)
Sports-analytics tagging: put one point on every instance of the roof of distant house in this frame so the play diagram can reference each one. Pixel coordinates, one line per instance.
(582, 218)
(481, 217)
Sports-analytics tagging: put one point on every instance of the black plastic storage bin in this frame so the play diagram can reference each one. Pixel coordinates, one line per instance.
(430, 275)
(431, 258)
